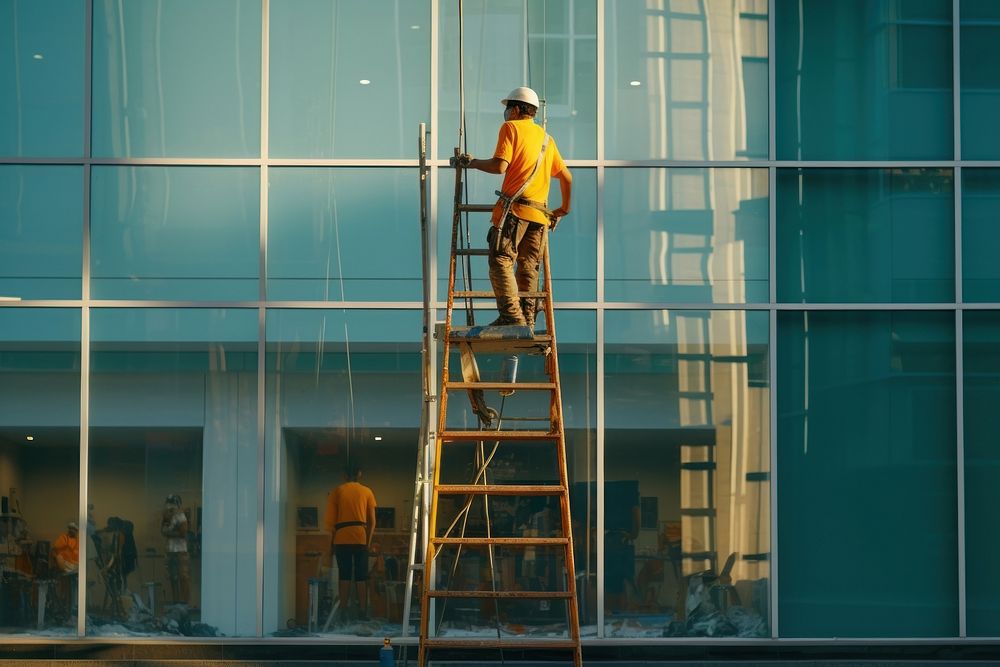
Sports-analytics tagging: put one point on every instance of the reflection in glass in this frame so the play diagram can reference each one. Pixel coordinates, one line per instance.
(558, 60)
(686, 235)
(39, 470)
(174, 233)
(348, 79)
(980, 80)
(865, 235)
(980, 235)
(866, 459)
(343, 234)
(41, 78)
(176, 78)
(173, 460)
(686, 497)
(863, 80)
(982, 491)
(686, 81)
(41, 231)
(342, 387)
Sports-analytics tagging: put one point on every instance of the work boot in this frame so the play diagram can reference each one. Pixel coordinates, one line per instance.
(505, 321)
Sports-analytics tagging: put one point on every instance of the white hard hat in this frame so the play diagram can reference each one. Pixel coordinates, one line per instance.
(522, 94)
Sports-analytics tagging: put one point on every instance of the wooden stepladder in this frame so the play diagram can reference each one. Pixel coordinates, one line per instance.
(499, 567)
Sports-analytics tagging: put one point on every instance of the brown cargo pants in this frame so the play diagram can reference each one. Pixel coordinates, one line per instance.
(517, 242)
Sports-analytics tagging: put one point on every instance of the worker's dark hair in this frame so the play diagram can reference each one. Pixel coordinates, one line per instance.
(352, 471)
(526, 109)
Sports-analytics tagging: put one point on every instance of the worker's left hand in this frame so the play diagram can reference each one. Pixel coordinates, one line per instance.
(462, 161)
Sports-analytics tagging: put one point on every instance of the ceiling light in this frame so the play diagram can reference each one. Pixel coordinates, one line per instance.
(38, 56)
(378, 438)
(29, 438)
(414, 27)
(364, 82)
(635, 83)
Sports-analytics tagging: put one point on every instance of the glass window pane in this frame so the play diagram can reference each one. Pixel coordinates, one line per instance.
(175, 233)
(863, 80)
(176, 78)
(41, 231)
(543, 47)
(980, 235)
(686, 235)
(685, 82)
(39, 470)
(982, 486)
(348, 79)
(344, 234)
(41, 78)
(173, 460)
(342, 386)
(866, 459)
(865, 235)
(980, 80)
(686, 497)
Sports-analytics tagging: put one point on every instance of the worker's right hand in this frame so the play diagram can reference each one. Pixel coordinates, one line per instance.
(462, 161)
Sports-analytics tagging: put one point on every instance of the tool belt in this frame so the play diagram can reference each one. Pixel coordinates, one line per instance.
(348, 524)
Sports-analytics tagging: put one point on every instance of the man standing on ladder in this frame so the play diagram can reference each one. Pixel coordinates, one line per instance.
(528, 158)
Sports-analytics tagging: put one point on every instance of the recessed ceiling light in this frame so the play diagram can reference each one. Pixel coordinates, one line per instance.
(635, 83)
(414, 27)
(378, 438)
(29, 438)
(364, 82)
(38, 56)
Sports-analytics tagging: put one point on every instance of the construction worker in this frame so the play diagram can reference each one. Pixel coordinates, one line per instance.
(528, 159)
(350, 520)
(66, 549)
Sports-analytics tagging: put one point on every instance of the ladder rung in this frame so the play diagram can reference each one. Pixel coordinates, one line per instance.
(697, 511)
(526, 644)
(489, 294)
(534, 595)
(472, 251)
(505, 541)
(498, 435)
(475, 208)
(501, 386)
(698, 465)
(501, 489)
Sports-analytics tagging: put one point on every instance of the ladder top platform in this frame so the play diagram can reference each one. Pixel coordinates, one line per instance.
(507, 339)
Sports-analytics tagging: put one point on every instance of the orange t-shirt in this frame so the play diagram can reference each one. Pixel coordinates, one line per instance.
(349, 502)
(518, 144)
(67, 548)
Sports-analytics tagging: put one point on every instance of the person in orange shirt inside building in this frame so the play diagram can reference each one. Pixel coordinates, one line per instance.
(66, 549)
(350, 520)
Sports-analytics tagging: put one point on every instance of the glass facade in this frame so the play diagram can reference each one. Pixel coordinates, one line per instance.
(777, 311)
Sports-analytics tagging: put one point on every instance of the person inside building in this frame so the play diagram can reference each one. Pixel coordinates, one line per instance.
(66, 549)
(528, 159)
(174, 526)
(350, 520)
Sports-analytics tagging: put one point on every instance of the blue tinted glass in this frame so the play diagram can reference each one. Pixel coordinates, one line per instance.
(344, 234)
(863, 79)
(41, 78)
(573, 244)
(980, 234)
(174, 233)
(982, 461)
(173, 412)
(866, 463)
(686, 81)
(348, 79)
(686, 235)
(687, 461)
(865, 235)
(980, 80)
(41, 231)
(548, 46)
(178, 78)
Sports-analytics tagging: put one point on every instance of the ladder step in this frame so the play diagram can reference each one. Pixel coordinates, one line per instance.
(697, 511)
(501, 386)
(501, 489)
(498, 435)
(533, 595)
(489, 294)
(475, 208)
(504, 541)
(526, 644)
(698, 465)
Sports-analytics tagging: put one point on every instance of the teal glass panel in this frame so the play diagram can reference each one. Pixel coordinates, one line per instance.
(41, 78)
(687, 473)
(344, 234)
(348, 79)
(686, 235)
(981, 363)
(41, 231)
(178, 78)
(864, 80)
(866, 463)
(174, 233)
(550, 46)
(686, 80)
(573, 244)
(39, 470)
(865, 235)
(173, 412)
(980, 235)
(980, 44)
(341, 386)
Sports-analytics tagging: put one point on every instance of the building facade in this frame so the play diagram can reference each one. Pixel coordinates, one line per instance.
(778, 308)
